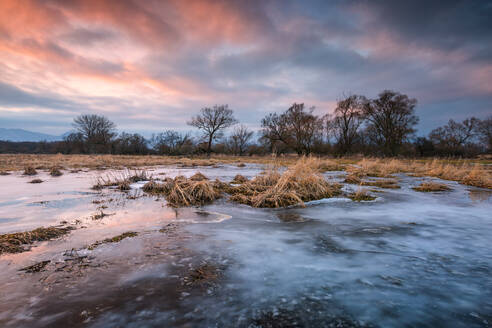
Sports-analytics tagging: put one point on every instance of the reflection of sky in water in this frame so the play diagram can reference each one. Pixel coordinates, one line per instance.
(408, 259)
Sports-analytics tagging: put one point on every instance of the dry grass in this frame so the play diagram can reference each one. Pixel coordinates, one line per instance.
(36, 267)
(352, 179)
(383, 183)
(198, 177)
(55, 171)
(13, 162)
(121, 180)
(478, 177)
(238, 179)
(204, 274)
(115, 239)
(186, 192)
(4, 173)
(29, 170)
(361, 195)
(431, 187)
(456, 170)
(299, 184)
(181, 191)
(36, 181)
(325, 165)
(17, 242)
(462, 171)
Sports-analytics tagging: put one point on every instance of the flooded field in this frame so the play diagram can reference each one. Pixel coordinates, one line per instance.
(404, 259)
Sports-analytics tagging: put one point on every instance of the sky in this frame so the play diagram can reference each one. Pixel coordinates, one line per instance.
(150, 65)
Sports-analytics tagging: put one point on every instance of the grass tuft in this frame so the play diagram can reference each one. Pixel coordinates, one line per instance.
(198, 177)
(36, 181)
(361, 195)
(431, 187)
(114, 239)
(36, 267)
(121, 181)
(17, 242)
(55, 172)
(29, 170)
(238, 179)
(182, 191)
(299, 184)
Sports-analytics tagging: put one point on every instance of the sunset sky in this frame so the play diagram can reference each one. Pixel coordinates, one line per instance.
(150, 65)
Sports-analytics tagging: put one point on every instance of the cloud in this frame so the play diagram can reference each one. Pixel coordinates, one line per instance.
(150, 65)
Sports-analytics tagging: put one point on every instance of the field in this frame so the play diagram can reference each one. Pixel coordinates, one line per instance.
(106, 241)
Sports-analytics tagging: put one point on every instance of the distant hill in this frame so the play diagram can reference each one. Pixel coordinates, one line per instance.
(24, 135)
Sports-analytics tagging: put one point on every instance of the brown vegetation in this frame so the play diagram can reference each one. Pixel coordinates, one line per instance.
(300, 183)
(36, 267)
(55, 171)
(36, 181)
(115, 239)
(17, 242)
(121, 180)
(203, 274)
(29, 170)
(238, 179)
(198, 177)
(382, 183)
(182, 191)
(361, 195)
(431, 187)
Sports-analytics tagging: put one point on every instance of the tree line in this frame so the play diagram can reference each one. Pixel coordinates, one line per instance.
(383, 126)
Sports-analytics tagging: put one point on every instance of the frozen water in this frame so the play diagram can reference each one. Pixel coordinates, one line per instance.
(408, 259)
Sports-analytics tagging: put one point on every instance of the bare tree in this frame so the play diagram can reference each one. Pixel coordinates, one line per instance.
(129, 144)
(454, 136)
(348, 118)
(240, 139)
(485, 132)
(96, 130)
(172, 143)
(297, 128)
(391, 120)
(274, 132)
(212, 122)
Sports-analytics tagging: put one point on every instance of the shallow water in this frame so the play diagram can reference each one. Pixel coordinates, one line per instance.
(407, 259)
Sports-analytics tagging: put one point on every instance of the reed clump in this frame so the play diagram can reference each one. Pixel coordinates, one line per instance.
(36, 181)
(383, 183)
(330, 165)
(361, 195)
(431, 187)
(300, 183)
(478, 177)
(352, 179)
(29, 170)
(182, 191)
(198, 177)
(238, 179)
(121, 181)
(55, 171)
(18, 242)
